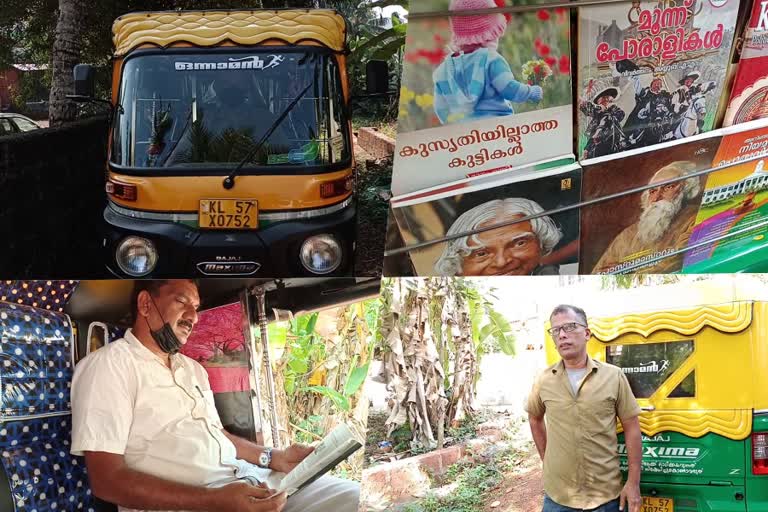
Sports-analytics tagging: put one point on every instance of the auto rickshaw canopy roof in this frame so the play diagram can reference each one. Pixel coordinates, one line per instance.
(210, 28)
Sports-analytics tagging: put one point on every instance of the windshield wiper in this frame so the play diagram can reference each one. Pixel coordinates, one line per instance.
(229, 181)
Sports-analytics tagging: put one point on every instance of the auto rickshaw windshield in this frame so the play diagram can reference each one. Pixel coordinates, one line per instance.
(209, 109)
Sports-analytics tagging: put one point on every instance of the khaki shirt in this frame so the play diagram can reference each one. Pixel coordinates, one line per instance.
(581, 462)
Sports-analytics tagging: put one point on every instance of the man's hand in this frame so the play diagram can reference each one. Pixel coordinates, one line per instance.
(242, 497)
(285, 460)
(630, 495)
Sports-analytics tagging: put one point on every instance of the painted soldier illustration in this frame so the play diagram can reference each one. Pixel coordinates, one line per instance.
(652, 116)
(604, 133)
(689, 104)
(681, 98)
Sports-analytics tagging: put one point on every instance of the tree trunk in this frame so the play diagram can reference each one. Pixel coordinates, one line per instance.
(417, 391)
(64, 56)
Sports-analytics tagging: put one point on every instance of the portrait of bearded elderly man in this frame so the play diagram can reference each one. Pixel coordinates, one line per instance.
(666, 221)
(514, 250)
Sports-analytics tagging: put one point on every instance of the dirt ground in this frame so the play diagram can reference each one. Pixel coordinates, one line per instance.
(373, 179)
(521, 490)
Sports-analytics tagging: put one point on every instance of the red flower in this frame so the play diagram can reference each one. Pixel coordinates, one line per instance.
(551, 61)
(537, 69)
(507, 15)
(565, 64)
(544, 50)
(537, 42)
(542, 15)
(434, 57)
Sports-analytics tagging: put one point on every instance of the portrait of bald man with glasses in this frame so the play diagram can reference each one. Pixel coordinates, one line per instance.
(580, 399)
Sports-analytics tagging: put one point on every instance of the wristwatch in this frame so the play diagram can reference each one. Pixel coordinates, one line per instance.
(265, 459)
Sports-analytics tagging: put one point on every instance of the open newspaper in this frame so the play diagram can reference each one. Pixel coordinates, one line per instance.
(334, 448)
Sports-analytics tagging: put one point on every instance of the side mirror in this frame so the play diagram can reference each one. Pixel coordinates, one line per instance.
(377, 77)
(84, 89)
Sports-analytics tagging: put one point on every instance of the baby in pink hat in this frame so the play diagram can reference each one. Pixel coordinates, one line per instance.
(476, 81)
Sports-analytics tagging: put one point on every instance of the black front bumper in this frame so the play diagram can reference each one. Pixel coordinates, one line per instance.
(272, 251)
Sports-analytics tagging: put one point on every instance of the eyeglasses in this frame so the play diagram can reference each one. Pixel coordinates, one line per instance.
(569, 327)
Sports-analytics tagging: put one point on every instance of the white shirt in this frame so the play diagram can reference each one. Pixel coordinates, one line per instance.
(125, 400)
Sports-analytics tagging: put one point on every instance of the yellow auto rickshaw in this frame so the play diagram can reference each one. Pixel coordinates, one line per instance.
(230, 152)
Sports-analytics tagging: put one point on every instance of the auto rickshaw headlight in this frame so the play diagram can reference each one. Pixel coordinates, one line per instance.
(136, 256)
(321, 254)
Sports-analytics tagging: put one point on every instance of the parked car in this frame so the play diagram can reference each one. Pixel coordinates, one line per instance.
(16, 123)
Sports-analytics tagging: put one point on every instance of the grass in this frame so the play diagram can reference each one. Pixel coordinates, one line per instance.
(473, 482)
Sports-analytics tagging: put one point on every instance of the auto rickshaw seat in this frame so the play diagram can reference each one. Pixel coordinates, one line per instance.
(36, 467)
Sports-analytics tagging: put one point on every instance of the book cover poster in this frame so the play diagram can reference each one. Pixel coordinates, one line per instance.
(735, 199)
(481, 93)
(621, 234)
(547, 245)
(749, 95)
(650, 72)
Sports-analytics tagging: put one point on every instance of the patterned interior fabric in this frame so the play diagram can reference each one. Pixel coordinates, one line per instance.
(114, 332)
(37, 472)
(41, 473)
(48, 295)
(35, 361)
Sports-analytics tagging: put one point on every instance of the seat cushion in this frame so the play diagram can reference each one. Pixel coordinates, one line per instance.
(37, 472)
(40, 472)
(35, 361)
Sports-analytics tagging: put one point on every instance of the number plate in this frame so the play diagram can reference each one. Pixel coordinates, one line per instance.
(228, 214)
(652, 504)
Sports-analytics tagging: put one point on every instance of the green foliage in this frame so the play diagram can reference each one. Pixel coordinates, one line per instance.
(628, 281)
(338, 399)
(354, 381)
(473, 482)
(467, 429)
(311, 424)
(401, 438)
(304, 347)
(372, 311)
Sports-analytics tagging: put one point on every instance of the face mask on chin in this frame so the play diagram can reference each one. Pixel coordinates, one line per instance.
(165, 338)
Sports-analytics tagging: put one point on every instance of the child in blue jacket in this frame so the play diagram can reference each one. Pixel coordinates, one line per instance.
(476, 81)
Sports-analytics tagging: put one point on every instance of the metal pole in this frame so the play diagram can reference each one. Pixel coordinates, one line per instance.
(245, 302)
(262, 317)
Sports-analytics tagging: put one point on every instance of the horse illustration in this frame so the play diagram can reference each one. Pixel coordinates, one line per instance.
(692, 118)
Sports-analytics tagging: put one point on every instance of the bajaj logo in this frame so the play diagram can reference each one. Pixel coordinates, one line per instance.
(665, 452)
